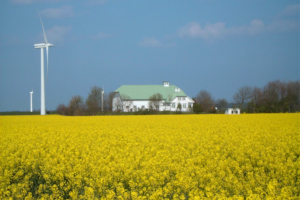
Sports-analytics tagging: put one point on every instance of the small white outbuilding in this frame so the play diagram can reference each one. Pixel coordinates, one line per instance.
(233, 111)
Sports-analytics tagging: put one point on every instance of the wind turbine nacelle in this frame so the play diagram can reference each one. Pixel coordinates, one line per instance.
(50, 45)
(41, 45)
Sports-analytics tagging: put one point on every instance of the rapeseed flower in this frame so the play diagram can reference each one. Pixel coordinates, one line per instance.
(150, 157)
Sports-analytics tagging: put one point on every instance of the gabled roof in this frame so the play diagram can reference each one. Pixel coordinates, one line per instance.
(143, 92)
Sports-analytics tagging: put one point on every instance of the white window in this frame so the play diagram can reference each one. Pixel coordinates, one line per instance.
(179, 98)
(190, 105)
(183, 98)
(134, 108)
(184, 105)
(173, 105)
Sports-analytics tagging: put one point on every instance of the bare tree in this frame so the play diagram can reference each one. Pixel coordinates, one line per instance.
(293, 96)
(271, 95)
(222, 104)
(206, 101)
(243, 95)
(155, 101)
(126, 102)
(170, 98)
(256, 98)
(93, 102)
(62, 109)
(76, 106)
(117, 104)
(108, 100)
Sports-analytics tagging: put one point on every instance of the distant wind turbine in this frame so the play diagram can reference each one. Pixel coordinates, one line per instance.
(31, 100)
(42, 46)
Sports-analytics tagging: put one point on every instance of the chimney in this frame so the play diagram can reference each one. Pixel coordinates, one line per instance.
(166, 83)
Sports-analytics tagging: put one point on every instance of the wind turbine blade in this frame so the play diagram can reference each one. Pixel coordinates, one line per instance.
(47, 47)
(43, 27)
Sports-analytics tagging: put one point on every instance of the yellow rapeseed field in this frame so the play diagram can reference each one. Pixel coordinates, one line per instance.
(150, 157)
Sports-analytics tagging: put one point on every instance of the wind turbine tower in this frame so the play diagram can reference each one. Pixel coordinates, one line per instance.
(42, 46)
(31, 100)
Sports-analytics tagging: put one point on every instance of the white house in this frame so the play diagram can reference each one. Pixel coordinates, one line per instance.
(233, 111)
(129, 98)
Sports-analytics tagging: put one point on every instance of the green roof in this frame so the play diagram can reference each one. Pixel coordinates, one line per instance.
(143, 92)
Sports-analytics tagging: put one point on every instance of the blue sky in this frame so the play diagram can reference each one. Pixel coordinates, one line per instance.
(213, 45)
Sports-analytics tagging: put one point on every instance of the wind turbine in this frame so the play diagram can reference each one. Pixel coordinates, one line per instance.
(42, 46)
(31, 100)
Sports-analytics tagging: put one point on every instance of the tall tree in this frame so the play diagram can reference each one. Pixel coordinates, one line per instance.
(221, 104)
(271, 93)
(206, 101)
(108, 100)
(118, 105)
(155, 101)
(126, 102)
(76, 106)
(62, 109)
(293, 96)
(94, 100)
(256, 99)
(243, 95)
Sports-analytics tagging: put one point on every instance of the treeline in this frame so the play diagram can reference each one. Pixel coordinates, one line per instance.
(276, 96)
(91, 106)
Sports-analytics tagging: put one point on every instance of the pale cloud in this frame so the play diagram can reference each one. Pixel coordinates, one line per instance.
(56, 34)
(153, 42)
(291, 10)
(256, 26)
(150, 42)
(33, 1)
(57, 13)
(218, 30)
(194, 30)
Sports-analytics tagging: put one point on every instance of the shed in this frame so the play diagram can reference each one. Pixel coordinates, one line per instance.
(231, 111)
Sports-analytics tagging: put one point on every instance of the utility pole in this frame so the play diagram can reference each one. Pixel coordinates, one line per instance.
(102, 99)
